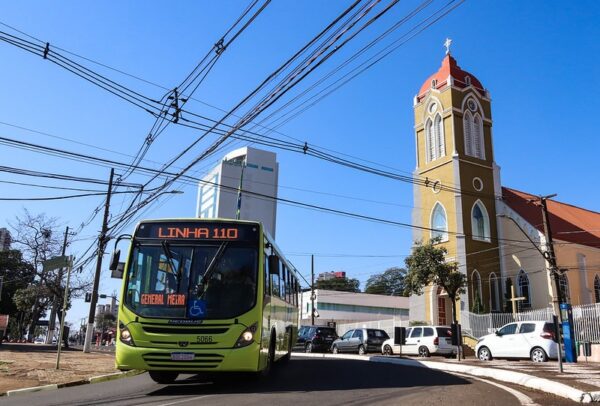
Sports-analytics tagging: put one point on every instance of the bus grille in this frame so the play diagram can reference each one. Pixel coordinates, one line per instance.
(184, 330)
(203, 361)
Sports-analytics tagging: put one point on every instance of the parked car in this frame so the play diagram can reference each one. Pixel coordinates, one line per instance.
(38, 341)
(315, 338)
(360, 340)
(423, 341)
(524, 339)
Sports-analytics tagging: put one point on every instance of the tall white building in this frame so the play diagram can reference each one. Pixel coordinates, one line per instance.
(218, 191)
(5, 239)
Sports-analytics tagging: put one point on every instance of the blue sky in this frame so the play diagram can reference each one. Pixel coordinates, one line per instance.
(539, 60)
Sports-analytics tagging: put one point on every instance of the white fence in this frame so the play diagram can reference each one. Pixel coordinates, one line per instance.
(586, 321)
(386, 325)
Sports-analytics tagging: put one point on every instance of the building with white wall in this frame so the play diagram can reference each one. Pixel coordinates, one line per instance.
(258, 173)
(349, 307)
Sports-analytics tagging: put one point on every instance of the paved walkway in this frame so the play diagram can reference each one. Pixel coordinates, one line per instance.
(582, 376)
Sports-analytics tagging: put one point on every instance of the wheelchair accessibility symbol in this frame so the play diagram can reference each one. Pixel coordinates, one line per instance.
(197, 309)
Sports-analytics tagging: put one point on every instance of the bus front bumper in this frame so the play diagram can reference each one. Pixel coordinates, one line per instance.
(245, 359)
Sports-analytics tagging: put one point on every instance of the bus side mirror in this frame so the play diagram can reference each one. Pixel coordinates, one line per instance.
(114, 260)
(273, 265)
(118, 273)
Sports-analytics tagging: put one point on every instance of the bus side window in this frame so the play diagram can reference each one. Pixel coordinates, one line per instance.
(275, 288)
(285, 283)
(267, 285)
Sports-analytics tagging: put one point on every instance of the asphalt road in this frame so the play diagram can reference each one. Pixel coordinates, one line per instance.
(301, 382)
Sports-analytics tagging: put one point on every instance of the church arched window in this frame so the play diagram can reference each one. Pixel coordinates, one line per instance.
(523, 283)
(473, 129)
(476, 281)
(439, 223)
(494, 292)
(467, 119)
(597, 288)
(430, 140)
(480, 222)
(563, 282)
(477, 137)
(439, 137)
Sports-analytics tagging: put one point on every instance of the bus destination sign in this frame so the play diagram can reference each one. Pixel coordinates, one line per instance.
(198, 231)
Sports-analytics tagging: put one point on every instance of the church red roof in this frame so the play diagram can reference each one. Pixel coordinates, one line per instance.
(568, 223)
(448, 69)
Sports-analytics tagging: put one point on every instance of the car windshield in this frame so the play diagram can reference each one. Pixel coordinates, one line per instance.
(377, 333)
(326, 331)
(172, 280)
(443, 332)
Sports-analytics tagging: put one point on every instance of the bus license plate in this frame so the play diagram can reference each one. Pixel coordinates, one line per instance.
(182, 356)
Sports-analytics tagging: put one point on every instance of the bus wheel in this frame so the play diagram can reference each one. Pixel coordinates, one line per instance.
(270, 357)
(163, 377)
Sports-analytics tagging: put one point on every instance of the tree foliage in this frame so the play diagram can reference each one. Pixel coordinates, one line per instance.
(340, 284)
(390, 282)
(427, 265)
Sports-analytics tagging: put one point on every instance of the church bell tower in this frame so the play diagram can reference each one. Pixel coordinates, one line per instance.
(457, 186)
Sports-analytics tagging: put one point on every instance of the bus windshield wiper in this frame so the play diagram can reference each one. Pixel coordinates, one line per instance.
(210, 269)
(169, 255)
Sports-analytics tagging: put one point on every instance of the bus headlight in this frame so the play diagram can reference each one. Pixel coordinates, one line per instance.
(247, 336)
(125, 335)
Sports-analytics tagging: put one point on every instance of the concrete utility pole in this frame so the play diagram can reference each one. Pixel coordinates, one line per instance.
(551, 258)
(102, 240)
(64, 313)
(312, 290)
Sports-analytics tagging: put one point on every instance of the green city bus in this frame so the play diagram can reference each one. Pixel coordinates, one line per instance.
(205, 295)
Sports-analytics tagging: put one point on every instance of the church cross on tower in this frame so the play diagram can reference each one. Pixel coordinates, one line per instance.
(447, 44)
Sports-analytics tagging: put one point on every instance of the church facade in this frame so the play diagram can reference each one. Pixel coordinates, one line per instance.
(493, 233)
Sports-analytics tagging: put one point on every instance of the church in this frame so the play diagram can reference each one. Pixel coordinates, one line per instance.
(494, 233)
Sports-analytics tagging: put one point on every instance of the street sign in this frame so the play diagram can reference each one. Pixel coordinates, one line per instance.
(56, 263)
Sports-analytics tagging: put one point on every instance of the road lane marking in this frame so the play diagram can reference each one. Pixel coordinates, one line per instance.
(521, 397)
(185, 400)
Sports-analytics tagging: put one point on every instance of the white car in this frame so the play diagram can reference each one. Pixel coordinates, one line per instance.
(535, 340)
(422, 341)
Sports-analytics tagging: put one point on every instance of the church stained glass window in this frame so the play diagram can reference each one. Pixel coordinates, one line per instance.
(439, 223)
(597, 288)
(523, 283)
(480, 223)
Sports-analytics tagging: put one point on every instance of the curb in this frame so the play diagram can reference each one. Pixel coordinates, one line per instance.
(93, 379)
(519, 378)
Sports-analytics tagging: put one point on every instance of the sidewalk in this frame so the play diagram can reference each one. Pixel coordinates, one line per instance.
(29, 365)
(579, 382)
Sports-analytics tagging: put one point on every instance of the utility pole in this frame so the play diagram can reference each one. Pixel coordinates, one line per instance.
(551, 258)
(102, 240)
(52, 322)
(312, 290)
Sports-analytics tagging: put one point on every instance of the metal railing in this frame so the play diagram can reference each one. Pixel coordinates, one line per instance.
(586, 321)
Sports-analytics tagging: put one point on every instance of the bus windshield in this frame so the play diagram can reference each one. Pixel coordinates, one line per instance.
(209, 281)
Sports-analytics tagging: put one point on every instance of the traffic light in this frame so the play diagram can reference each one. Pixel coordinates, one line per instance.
(456, 333)
(88, 297)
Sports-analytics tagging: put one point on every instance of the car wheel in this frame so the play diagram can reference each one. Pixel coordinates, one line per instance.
(538, 355)
(361, 350)
(308, 347)
(335, 350)
(423, 351)
(387, 350)
(163, 377)
(484, 354)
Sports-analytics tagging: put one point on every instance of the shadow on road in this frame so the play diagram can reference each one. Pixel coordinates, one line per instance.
(312, 375)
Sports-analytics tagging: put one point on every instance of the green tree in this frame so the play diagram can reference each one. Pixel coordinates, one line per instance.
(340, 284)
(478, 307)
(390, 283)
(427, 265)
(16, 274)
